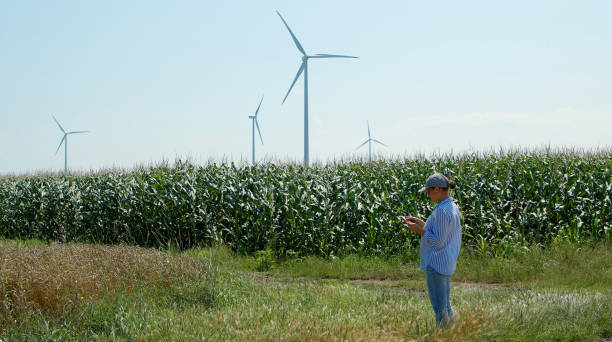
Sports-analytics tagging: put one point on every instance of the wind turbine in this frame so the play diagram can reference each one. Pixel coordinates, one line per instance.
(65, 142)
(369, 142)
(255, 124)
(304, 68)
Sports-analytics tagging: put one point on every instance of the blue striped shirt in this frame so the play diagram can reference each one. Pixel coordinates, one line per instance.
(442, 239)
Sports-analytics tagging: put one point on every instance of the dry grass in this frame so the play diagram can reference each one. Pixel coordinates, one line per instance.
(57, 278)
(379, 327)
(465, 329)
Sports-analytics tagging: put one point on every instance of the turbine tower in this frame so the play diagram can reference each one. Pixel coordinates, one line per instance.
(255, 124)
(65, 142)
(304, 68)
(369, 142)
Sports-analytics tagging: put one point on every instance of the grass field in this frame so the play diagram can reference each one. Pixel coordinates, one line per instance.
(77, 292)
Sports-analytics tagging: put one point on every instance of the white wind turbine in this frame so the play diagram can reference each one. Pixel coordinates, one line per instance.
(255, 124)
(304, 69)
(65, 142)
(369, 142)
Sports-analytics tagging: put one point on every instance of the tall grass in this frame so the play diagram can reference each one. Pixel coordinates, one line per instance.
(286, 304)
(57, 279)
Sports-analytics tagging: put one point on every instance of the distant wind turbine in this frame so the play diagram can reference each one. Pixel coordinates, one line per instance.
(65, 142)
(369, 142)
(304, 68)
(255, 124)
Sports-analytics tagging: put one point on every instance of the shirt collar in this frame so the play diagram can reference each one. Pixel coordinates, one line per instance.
(449, 200)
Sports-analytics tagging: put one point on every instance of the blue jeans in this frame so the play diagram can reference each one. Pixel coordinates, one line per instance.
(438, 286)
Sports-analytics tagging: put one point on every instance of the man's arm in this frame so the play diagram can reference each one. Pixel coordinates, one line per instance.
(436, 236)
(415, 224)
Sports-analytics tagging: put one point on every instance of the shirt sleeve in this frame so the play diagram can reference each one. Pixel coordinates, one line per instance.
(437, 230)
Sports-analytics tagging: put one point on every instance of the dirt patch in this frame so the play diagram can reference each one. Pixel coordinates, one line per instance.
(381, 282)
(486, 285)
(400, 283)
(403, 286)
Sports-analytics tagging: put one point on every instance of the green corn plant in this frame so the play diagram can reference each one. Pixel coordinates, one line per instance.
(332, 209)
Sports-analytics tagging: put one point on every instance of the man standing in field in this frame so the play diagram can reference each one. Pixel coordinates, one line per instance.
(440, 244)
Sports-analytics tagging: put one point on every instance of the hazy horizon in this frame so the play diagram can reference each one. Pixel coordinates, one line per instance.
(432, 155)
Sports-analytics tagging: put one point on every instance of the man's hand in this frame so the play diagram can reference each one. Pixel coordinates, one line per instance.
(415, 224)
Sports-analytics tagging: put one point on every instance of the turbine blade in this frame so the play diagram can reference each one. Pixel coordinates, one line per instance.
(58, 124)
(61, 142)
(257, 111)
(365, 142)
(325, 55)
(374, 140)
(294, 80)
(297, 43)
(75, 132)
(258, 131)
(368, 129)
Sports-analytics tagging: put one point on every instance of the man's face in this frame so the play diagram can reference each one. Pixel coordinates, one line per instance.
(434, 193)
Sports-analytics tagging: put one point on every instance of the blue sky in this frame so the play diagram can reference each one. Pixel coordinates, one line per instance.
(157, 80)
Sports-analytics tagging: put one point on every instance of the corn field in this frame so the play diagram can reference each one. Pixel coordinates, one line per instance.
(345, 207)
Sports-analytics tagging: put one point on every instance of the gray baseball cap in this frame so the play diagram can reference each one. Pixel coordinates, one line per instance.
(437, 179)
